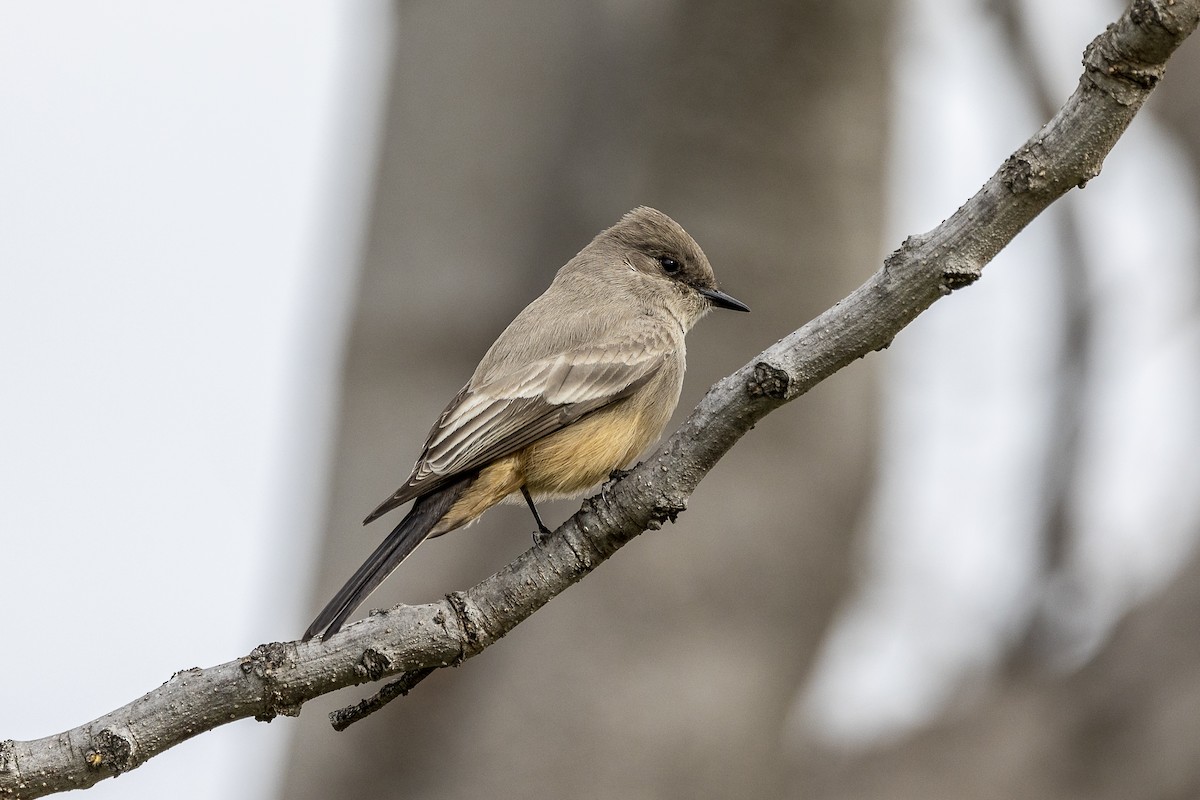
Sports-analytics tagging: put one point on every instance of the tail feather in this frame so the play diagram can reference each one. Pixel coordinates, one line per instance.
(403, 539)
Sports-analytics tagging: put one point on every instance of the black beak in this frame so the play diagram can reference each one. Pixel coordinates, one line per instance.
(722, 300)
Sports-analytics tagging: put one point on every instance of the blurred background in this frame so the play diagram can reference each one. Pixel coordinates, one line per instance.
(250, 251)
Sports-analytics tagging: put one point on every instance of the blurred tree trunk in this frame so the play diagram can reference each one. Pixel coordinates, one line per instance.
(515, 133)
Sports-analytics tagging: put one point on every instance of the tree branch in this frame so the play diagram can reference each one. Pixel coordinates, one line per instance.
(1122, 66)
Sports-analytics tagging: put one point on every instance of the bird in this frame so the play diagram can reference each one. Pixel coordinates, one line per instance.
(581, 382)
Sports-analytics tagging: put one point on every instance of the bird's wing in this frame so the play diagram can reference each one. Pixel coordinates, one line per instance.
(513, 408)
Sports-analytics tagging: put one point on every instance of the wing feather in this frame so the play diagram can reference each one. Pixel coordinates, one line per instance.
(510, 409)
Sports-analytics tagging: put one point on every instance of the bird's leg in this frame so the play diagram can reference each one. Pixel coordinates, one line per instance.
(543, 531)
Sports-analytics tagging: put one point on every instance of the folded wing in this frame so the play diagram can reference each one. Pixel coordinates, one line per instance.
(509, 409)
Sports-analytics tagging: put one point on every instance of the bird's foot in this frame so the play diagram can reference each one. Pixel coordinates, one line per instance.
(541, 535)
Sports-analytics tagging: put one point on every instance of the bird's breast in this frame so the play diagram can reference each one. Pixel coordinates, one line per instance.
(583, 454)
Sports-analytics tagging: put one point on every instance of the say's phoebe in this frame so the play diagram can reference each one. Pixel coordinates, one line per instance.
(577, 386)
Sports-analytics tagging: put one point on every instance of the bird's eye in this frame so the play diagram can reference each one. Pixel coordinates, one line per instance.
(669, 265)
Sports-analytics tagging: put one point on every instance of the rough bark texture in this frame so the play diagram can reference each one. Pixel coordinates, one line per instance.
(1122, 66)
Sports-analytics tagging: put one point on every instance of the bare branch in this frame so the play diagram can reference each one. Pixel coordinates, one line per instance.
(1122, 66)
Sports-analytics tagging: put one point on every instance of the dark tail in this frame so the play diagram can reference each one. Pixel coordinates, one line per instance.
(403, 539)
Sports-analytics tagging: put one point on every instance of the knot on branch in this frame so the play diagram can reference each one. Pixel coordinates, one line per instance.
(471, 630)
(1020, 174)
(957, 274)
(373, 665)
(666, 509)
(1126, 61)
(1141, 78)
(263, 662)
(1152, 17)
(265, 659)
(111, 751)
(768, 381)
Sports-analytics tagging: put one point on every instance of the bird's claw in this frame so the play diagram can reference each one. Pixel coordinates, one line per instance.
(541, 536)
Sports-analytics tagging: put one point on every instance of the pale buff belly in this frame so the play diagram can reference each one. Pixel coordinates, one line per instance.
(570, 461)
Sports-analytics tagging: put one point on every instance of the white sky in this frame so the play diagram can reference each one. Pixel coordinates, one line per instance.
(182, 188)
